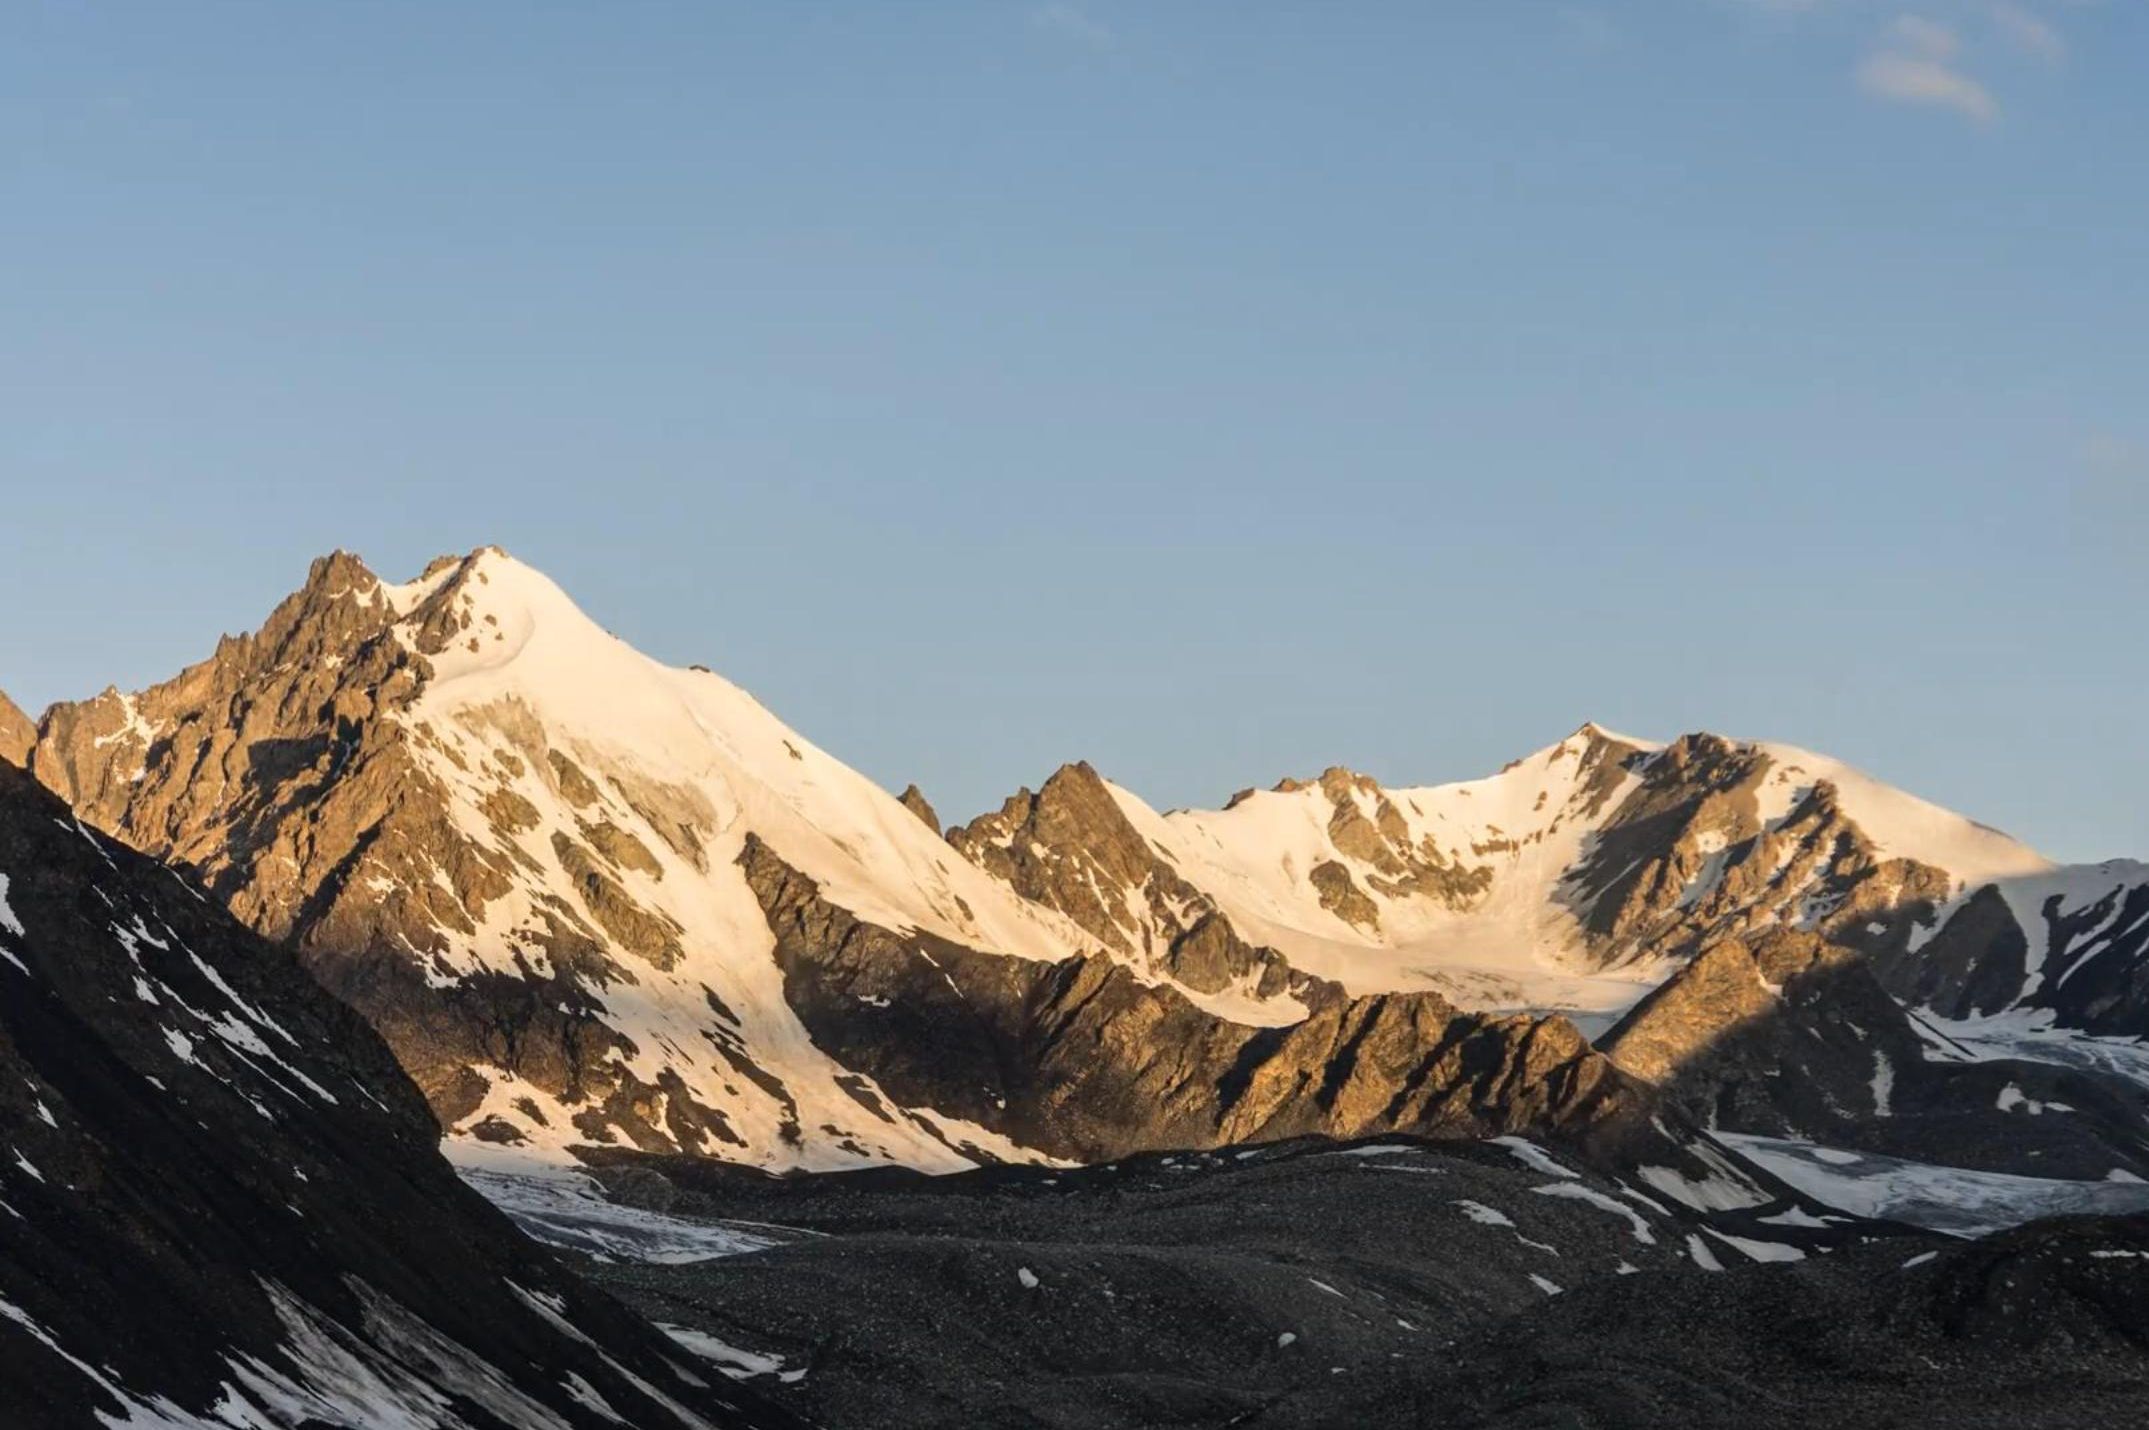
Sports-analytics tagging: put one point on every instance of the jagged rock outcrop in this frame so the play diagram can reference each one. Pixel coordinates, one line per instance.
(1587, 872)
(913, 799)
(1694, 854)
(1677, 1024)
(224, 1201)
(17, 732)
(1071, 847)
(281, 770)
(479, 884)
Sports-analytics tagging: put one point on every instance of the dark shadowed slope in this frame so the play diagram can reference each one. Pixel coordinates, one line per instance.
(2043, 1326)
(1188, 1288)
(221, 1203)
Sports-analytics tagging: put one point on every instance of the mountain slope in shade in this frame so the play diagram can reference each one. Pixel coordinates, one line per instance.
(2065, 947)
(1181, 1289)
(1787, 1036)
(222, 1201)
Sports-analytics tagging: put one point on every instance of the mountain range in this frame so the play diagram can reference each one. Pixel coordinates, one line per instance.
(599, 915)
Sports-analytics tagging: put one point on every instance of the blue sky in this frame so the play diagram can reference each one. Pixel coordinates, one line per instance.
(1212, 390)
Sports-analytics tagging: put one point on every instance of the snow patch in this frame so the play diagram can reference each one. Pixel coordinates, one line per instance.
(8, 921)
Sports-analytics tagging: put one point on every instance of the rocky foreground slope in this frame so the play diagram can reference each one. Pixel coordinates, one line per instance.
(223, 1204)
(1196, 1289)
(1390, 1282)
(2041, 1326)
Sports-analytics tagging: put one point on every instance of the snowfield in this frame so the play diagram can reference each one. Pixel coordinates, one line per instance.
(1954, 1200)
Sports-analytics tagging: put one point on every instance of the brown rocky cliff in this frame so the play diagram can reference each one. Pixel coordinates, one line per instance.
(914, 800)
(1070, 847)
(1687, 861)
(1064, 846)
(17, 732)
(1720, 991)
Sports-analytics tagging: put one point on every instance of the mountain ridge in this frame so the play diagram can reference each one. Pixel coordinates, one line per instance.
(550, 870)
(517, 846)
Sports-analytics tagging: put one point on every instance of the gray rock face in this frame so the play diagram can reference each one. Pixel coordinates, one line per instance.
(1687, 858)
(1977, 963)
(1192, 1289)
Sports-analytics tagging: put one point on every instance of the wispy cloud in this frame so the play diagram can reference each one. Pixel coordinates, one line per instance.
(1917, 62)
(2027, 32)
(1072, 23)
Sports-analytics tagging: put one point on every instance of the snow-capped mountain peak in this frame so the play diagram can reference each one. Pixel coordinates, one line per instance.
(516, 842)
(1575, 878)
(515, 644)
(589, 897)
(1899, 824)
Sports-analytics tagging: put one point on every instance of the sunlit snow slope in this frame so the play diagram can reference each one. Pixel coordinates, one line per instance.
(1574, 879)
(1494, 934)
(677, 768)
